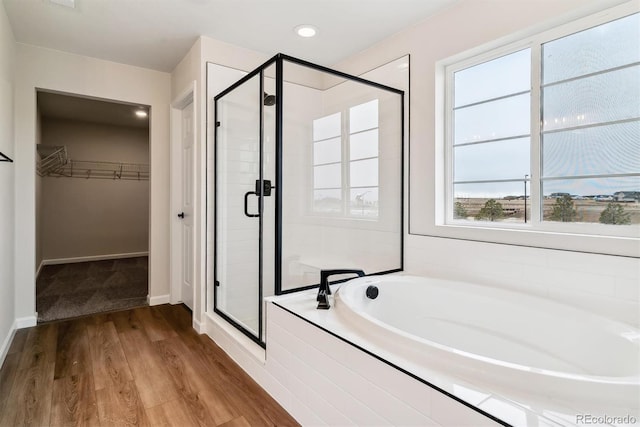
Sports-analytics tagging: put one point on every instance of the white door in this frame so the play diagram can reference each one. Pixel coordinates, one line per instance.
(186, 211)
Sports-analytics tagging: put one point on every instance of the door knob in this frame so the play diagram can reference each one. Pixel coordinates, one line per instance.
(181, 215)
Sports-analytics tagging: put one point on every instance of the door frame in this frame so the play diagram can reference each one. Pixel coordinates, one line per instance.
(187, 96)
(259, 337)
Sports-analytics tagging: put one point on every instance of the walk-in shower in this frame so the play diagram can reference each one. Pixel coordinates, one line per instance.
(308, 176)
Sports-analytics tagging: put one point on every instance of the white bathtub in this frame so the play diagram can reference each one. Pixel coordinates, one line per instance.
(505, 340)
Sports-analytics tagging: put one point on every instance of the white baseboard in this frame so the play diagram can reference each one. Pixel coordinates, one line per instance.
(39, 269)
(199, 326)
(22, 322)
(7, 343)
(56, 261)
(157, 300)
(26, 322)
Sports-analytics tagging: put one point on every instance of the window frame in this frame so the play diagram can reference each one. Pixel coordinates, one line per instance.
(446, 70)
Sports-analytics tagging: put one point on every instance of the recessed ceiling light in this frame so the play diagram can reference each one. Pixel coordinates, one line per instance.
(306, 30)
(141, 113)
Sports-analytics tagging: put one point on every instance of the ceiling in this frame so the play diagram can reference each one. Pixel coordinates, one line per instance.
(157, 34)
(66, 107)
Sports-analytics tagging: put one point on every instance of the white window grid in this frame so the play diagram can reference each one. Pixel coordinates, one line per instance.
(345, 162)
(535, 180)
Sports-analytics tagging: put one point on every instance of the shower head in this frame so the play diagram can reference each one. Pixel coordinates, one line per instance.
(269, 100)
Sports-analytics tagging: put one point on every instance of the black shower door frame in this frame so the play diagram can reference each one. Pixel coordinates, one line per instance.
(279, 60)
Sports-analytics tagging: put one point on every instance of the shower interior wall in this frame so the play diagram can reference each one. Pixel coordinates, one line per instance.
(313, 241)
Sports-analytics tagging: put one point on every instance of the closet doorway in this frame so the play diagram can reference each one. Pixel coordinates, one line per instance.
(92, 206)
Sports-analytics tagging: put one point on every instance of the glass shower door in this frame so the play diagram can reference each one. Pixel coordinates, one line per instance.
(332, 145)
(239, 203)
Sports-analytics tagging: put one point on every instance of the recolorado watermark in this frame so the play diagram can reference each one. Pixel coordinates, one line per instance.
(606, 419)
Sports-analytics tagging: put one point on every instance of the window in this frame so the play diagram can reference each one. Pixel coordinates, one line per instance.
(549, 133)
(363, 159)
(345, 162)
(327, 164)
(491, 138)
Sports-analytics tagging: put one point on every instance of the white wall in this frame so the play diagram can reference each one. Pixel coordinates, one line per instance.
(58, 71)
(7, 281)
(39, 256)
(95, 217)
(601, 283)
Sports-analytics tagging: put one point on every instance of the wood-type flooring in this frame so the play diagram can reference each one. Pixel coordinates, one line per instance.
(144, 366)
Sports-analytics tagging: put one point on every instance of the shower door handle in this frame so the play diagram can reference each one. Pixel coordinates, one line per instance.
(246, 204)
(263, 189)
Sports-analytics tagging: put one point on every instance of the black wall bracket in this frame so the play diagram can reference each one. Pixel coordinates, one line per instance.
(5, 158)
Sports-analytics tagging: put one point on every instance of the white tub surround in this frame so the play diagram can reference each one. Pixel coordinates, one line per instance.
(520, 359)
(322, 380)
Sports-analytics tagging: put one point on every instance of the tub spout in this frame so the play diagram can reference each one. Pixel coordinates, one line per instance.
(324, 290)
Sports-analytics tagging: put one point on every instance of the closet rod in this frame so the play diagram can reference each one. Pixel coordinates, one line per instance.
(5, 158)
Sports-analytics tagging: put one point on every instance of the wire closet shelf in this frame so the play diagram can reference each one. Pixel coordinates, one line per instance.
(54, 162)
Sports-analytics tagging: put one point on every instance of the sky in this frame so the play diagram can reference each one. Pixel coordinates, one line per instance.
(590, 101)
